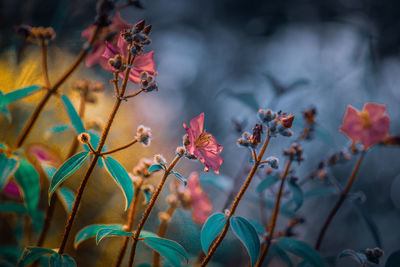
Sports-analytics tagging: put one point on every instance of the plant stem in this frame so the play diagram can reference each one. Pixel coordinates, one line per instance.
(129, 226)
(274, 217)
(53, 89)
(45, 72)
(134, 141)
(93, 162)
(162, 229)
(148, 209)
(235, 204)
(339, 203)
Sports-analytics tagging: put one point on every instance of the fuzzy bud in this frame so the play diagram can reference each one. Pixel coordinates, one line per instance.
(139, 26)
(185, 140)
(116, 62)
(287, 121)
(163, 216)
(147, 29)
(159, 159)
(172, 200)
(143, 135)
(84, 138)
(273, 162)
(180, 151)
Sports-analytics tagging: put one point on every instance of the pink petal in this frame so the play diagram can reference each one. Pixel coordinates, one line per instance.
(375, 110)
(110, 51)
(145, 62)
(96, 54)
(201, 204)
(197, 125)
(43, 154)
(376, 133)
(86, 34)
(211, 159)
(123, 47)
(118, 24)
(192, 146)
(352, 124)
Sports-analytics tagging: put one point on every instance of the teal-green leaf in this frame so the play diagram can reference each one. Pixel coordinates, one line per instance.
(248, 99)
(67, 261)
(247, 234)
(155, 167)
(73, 115)
(277, 251)
(168, 249)
(393, 260)
(267, 182)
(372, 227)
(67, 169)
(211, 229)
(121, 177)
(55, 260)
(31, 254)
(102, 233)
(67, 198)
(28, 179)
(7, 167)
(301, 249)
(58, 128)
(10, 254)
(220, 181)
(13, 207)
(147, 196)
(297, 194)
(17, 94)
(91, 231)
(361, 258)
(180, 177)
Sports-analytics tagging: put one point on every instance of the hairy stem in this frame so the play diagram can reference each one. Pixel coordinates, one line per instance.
(148, 209)
(235, 204)
(134, 141)
(339, 203)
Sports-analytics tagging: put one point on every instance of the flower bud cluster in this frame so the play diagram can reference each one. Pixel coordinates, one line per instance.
(338, 157)
(373, 254)
(251, 140)
(273, 162)
(321, 171)
(87, 89)
(137, 37)
(36, 34)
(294, 152)
(147, 82)
(309, 116)
(277, 122)
(143, 135)
(142, 168)
(182, 195)
(116, 62)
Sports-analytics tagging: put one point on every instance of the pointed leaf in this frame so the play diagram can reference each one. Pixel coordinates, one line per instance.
(393, 260)
(67, 261)
(28, 179)
(6, 113)
(258, 226)
(7, 167)
(66, 170)
(357, 256)
(267, 182)
(180, 177)
(91, 231)
(211, 229)
(102, 233)
(297, 194)
(301, 249)
(280, 253)
(168, 249)
(31, 254)
(55, 260)
(155, 167)
(73, 115)
(67, 198)
(17, 94)
(121, 177)
(58, 128)
(247, 234)
(147, 196)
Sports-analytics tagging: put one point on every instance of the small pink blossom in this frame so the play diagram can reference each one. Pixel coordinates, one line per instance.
(201, 204)
(41, 154)
(203, 145)
(142, 63)
(107, 33)
(12, 190)
(370, 126)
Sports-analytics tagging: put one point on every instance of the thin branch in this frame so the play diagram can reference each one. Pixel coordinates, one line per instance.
(134, 141)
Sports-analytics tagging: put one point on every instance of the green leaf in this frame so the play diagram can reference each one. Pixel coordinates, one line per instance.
(180, 177)
(258, 226)
(10, 254)
(301, 249)
(73, 115)
(102, 233)
(91, 231)
(49, 171)
(13, 207)
(7, 167)
(393, 260)
(58, 128)
(280, 253)
(17, 94)
(267, 182)
(320, 192)
(357, 256)
(67, 198)
(155, 167)
(169, 249)
(297, 194)
(372, 227)
(67, 261)
(66, 170)
(31, 254)
(55, 260)
(247, 99)
(121, 177)
(211, 229)
(220, 182)
(147, 196)
(28, 179)
(247, 234)
(94, 141)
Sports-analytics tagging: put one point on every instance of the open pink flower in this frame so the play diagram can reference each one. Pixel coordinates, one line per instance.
(370, 126)
(201, 204)
(109, 33)
(203, 145)
(141, 63)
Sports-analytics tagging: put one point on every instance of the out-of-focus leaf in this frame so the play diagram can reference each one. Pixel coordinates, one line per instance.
(301, 249)
(357, 256)
(168, 249)
(55, 260)
(372, 227)
(155, 167)
(393, 260)
(121, 177)
(67, 261)
(320, 192)
(10, 254)
(73, 115)
(258, 226)
(66, 170)
(180, 177)
(31, 254)
(221, 182)
(67, 198)
(58, 128)
(147, 196)
(247, 234)
(102, 233)
(94, 141)
(13, 207)
(282, 210)
(211, 229)
(17, 94)
(297, 194)
(91, 231)
(323, 134)
(28, 179)
(7, 167)
(267, 182)
(247, 99)
(280, 253)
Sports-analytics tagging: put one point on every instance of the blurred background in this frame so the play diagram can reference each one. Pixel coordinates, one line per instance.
(227, 58)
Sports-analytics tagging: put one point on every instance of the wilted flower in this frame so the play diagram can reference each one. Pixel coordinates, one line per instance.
(201, 204)
(203, 145)
(370, 126)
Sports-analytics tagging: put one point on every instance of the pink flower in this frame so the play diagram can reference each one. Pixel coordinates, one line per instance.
(141, 63)
(370, 126)
(41, 154)
(203, 145)
(108, 33)
(12, 189)
(201, 204)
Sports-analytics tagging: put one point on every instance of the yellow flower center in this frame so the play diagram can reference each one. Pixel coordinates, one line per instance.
(203, 140)
(365, 119)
